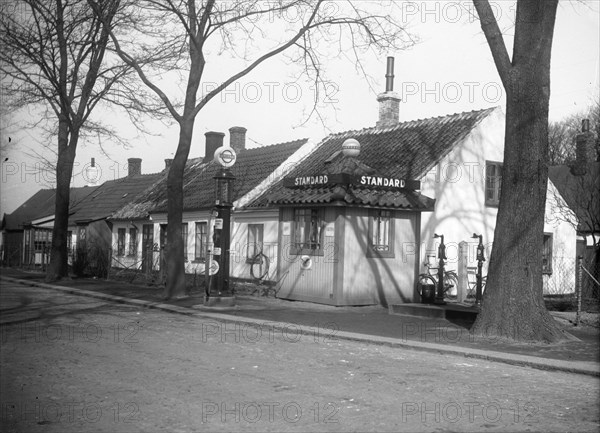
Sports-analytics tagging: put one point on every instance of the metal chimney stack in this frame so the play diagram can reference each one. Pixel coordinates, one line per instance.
(389, 75)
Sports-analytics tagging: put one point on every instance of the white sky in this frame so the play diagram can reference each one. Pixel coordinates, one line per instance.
(450, 70)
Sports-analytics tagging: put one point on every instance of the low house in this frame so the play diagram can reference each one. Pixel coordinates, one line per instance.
(27, 232)
(91, 223)
(254, 170)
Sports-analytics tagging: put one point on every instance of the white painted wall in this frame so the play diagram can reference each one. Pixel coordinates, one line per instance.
(458, 185)
(564, 244)
(240, 268)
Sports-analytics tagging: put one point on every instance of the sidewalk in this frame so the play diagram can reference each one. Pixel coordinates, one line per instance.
(370, 324)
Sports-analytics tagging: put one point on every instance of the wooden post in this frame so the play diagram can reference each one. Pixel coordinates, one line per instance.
(463, 278)
(109, 263)
(578, 285)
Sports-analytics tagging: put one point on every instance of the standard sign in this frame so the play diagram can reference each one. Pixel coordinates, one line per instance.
(385, 182)
(311, 180)
(365, 181)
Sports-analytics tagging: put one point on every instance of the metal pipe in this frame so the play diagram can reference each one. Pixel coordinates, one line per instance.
(389, 75)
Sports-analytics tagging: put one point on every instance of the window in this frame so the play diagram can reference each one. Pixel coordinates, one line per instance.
(493, 181)
(255, 240)
(42, 240)
(133, 241)
(184, 235)
(120, 242)
(69, 241)
(308, 230)
(163, 236)
(547, 254)
(381, 234)
(201, 239)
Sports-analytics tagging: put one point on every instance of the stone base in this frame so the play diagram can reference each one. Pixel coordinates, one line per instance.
(219, 301)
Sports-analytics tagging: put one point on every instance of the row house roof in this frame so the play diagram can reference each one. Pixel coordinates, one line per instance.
(251, 168)
(41, 205)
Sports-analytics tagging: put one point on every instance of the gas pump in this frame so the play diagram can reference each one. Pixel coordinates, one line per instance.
(439, 296)
(479, 277)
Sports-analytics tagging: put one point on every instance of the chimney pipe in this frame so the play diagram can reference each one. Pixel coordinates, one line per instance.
(134, 167)
(389, 75)
(214, 140)
(237, 138)
(389, 101)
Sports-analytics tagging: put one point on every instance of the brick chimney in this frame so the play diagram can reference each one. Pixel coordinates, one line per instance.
(134, 167)
(389, 102)
(214, 140)
(237, 138)
(585, 149)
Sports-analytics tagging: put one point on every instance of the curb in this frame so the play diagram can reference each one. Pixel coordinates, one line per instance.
(577, 367)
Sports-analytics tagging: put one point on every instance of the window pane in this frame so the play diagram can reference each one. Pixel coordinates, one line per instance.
(184, 236)
(120, 242)
(381, 231)
(201, 239)
(132, 241)
(255, 240)
(308, 228)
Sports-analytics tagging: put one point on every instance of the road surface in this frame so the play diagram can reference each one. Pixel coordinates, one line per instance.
(76, 364)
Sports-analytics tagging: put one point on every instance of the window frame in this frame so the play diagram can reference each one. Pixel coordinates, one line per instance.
(299, 248)
(374, 215)
(497, 187)
(184, 236)
(252, 244)
(202, 246)
(121, 233)
(547, 267)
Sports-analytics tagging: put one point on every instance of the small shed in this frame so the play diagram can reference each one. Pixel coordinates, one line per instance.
(349, 235)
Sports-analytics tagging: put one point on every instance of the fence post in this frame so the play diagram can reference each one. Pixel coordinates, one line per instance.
(109, 266)
(579, 281)
(463, 260)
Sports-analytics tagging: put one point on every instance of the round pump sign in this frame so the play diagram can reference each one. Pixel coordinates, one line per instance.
(225, 156)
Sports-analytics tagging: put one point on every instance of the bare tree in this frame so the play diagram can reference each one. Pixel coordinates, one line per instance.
(250, 31)
(54, 56)
(513, 305)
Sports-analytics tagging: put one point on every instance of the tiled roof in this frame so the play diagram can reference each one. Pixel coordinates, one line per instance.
(581, 193)
(111, 196)
(252, 167)
(407, 150)
(363, 197)
(42, 204)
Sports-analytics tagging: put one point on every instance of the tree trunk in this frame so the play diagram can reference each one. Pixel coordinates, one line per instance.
(513, 304)
(59, 266)
(175, 287)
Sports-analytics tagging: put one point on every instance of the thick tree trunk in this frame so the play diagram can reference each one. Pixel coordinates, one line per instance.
(513, 305)
(58, 266)
(175, 287)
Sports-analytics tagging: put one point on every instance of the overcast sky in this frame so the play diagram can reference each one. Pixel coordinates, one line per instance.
(451, 70)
